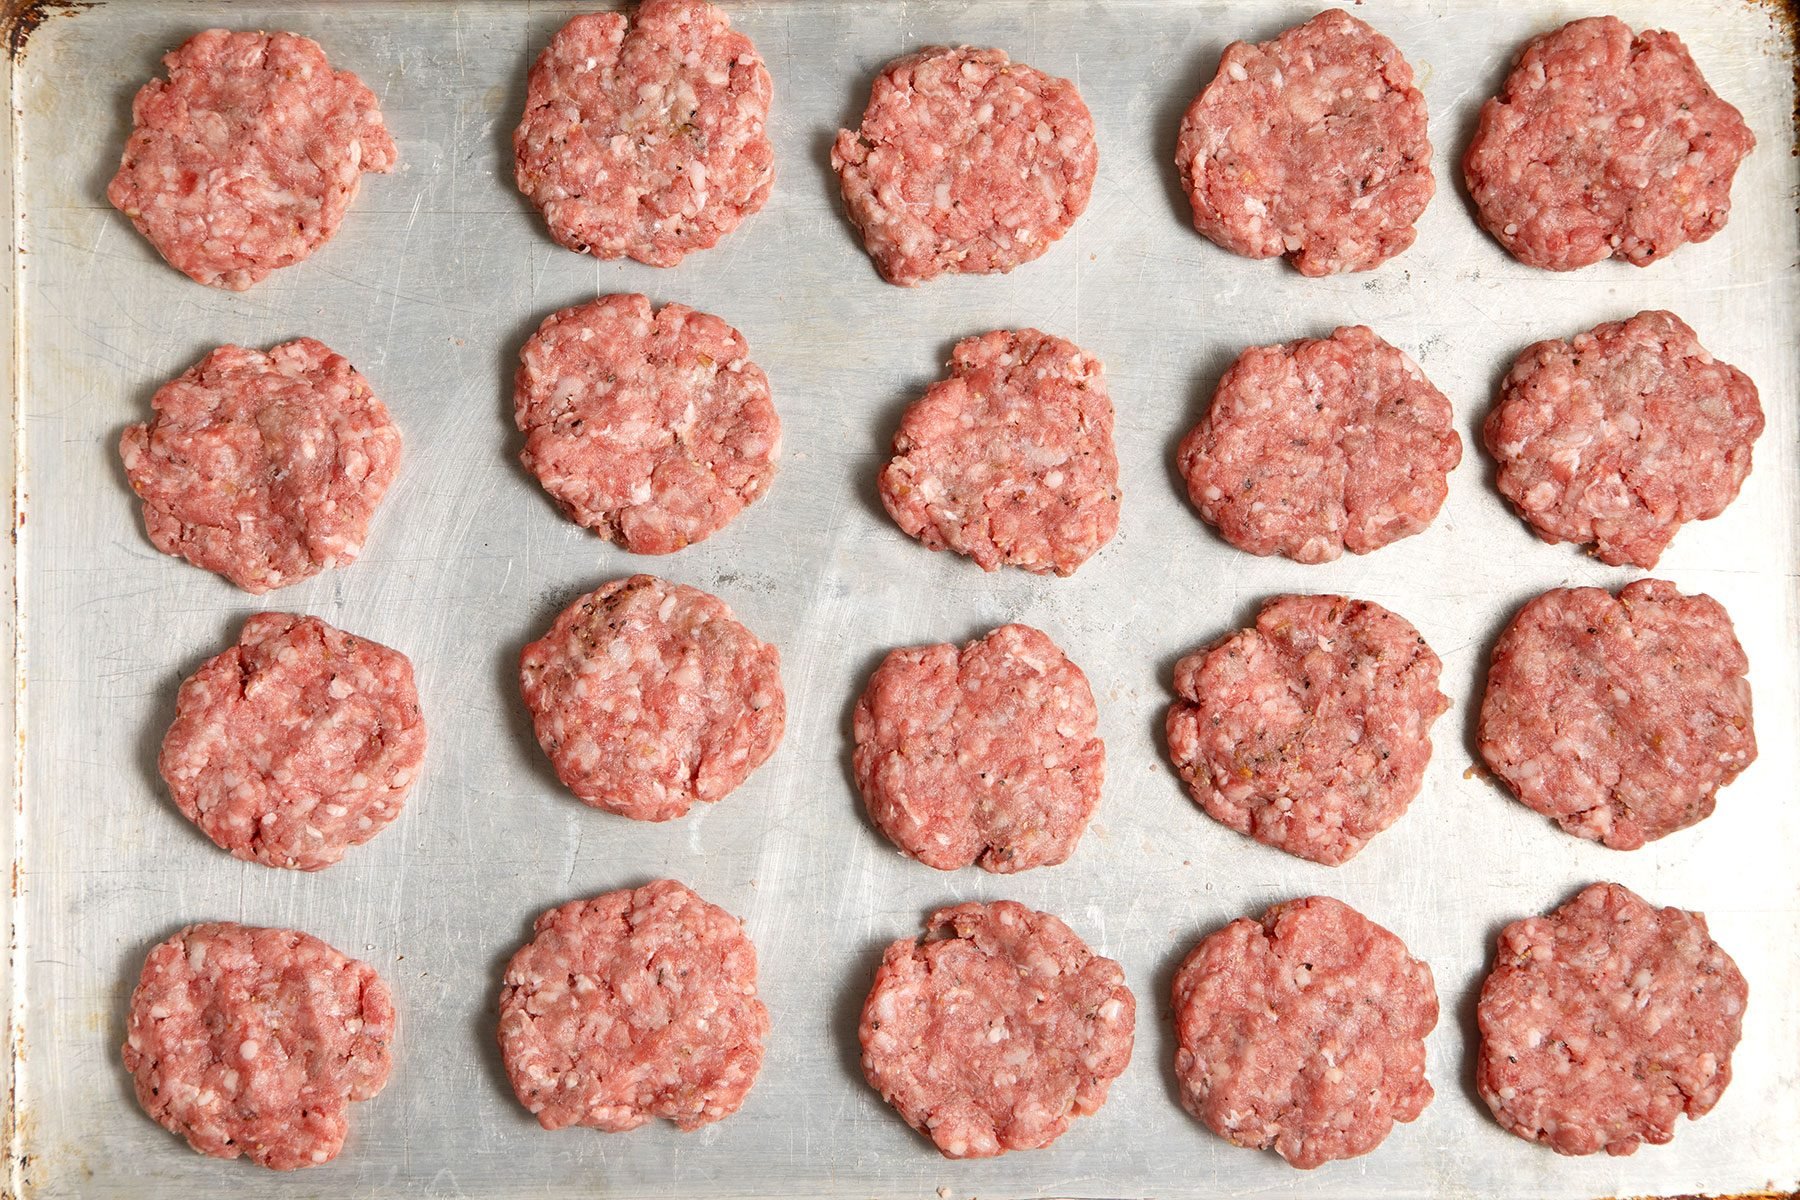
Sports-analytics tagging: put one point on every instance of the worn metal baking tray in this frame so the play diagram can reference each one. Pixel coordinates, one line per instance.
(430, 287)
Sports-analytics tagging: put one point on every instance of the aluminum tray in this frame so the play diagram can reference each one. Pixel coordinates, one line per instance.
(435, 279)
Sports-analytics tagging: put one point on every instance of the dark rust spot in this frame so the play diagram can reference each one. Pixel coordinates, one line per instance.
(19, 19)
(1784, 18)
(1720, 1196)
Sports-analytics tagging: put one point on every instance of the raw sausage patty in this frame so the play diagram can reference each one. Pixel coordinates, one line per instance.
(266, 468)
(644, 136)
(633, 1005)
(1620, 719)
(1606, 1020)
(651, 427)
(1310, 730)
(996, 1029)
(649, 695)
(965, 162)
(1010, 460)
(1601, 143)
(1304, 1032)
(256, 1041)
(982, 755)
(1312, 146)
(246, 158)
(1320, 446)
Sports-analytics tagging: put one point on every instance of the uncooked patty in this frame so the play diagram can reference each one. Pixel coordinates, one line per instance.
(633, 1005)
(1312, 145)
(965, 162)
(648, 695)
(295, 744)
(1304, 1032)
(644, 136)
(996, 1030)
(1320, 446)
(651, 427)
(1619, 719)
(1309, 731)
(1621, 434)
(983, 755)
(1601, 143)
(246, 158)
(1010, 460)
(1605, 1021)
(256, 1041)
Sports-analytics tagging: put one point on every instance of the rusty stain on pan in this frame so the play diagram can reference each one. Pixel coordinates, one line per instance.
(19, 19)
(1784, 17)
(1731, 1196)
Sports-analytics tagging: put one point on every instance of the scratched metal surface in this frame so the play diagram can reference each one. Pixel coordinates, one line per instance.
(435, 279)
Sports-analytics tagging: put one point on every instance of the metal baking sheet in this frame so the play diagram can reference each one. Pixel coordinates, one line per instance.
(436, 278)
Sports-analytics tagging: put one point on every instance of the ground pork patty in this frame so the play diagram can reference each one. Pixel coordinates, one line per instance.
(295, 744)
(1010, 460)
(1604, 1021)
(266, 468)
(246, 158)
(996, 1029)
(1303, 1032)
(649, 695)
(1312, 146)
(1320, 446)
(1309, 731)
(644, 136)
(965, 162)
(1602, 144)
(256, 1041)
(1620, 719)
(632, 1005)
(652, 428)
(983, 755)
(1620, 435)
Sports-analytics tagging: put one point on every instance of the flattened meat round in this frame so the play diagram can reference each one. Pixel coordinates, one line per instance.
(1010, 460)
(246, 158)
(1620, 435)
(266, 468)
(652, 428)
(1605, 1021)
(996, 1029)
(1600, 144)
(633, 1005)
(1320, 446)
(1312, 146)
(256, 1041)
(965, 162)
(1304, 1032)
(1309, 731)
(645, 136)
(1619, 719)
(649, 695)
(983, 755)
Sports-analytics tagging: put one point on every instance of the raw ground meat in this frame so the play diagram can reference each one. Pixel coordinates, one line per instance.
(983, 755)
(996, 1029)
(1312, 146)
(295, 744)
(1602, 144)
(1010, 460)
(1606, 1020)
(256, 1041)
(644, 136)
(633, 1005)
(966, 163)
(1304, 1032)
(648, 695)
(1620, 719)
(1309, 731)
(652, 428)
(246, 158)
(265, 468)
(1621, 434)
(1320, 446)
